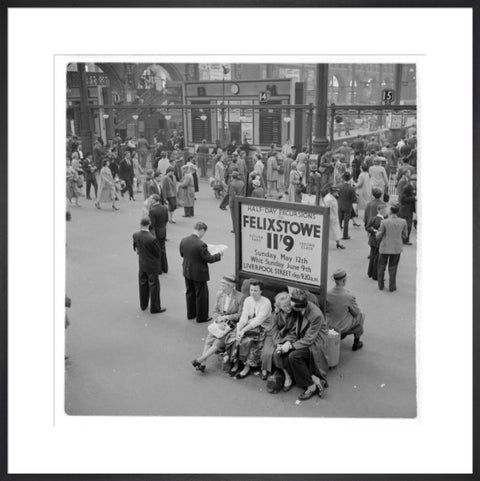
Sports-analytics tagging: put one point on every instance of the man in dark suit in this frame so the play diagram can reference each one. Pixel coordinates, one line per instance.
(126, 174)
(235, 188)
(346, 198)
(155, 187)
(195, 270)
(371, 208)
(149, 267)
(391, 234)
(158, 227)
(372, 229)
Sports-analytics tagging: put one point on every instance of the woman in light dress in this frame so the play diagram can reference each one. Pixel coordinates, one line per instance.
(363, 187)
(295, 181)
(107, 186)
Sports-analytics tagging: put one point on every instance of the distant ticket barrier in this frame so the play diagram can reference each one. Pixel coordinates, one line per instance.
(282, 244)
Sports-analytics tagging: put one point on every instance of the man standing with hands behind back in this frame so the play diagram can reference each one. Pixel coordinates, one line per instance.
(195, 270)
(149, 267)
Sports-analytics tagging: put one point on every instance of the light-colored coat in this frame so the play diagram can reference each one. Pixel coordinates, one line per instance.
(330, 201)
(341, 309)
(364, 190)
(186, 190)
(378, 177)
(391, 234)
(234, 309)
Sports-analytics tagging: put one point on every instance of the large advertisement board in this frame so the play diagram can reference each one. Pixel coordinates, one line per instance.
(282, 242)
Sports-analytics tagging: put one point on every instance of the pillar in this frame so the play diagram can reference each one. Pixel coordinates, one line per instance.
(320, 142)
(85, 120)
(398, 83)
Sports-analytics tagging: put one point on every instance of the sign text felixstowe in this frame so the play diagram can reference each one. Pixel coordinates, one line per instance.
(283, 243)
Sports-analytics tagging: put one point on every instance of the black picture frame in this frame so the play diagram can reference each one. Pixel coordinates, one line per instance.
(4, 191)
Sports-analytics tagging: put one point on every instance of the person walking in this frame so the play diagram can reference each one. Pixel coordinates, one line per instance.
(407, 208)
(142, 148)
(235, 188)
(372, 229)
(126, 174)
(202, 157)
(391, 234)
(378, 176)
(196, 258)
(346, 198)
(149, 267)
(295, 185)
(90, 169)
(364, 189)
(107, 187)
(169, 188)
(272, 173)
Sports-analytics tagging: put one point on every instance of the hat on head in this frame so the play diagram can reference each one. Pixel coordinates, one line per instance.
(299, 298)
(235, 153)
(235, 174)
(256, 182)
(230, 279)
(339, 274)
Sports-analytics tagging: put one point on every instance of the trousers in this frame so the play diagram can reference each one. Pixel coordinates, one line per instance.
(197, 299)
(373, 263)
(392, 260)
(344, 217)
(149, 290)
(298, 363)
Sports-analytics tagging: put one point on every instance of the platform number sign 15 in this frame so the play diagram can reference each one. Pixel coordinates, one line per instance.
(388, 96)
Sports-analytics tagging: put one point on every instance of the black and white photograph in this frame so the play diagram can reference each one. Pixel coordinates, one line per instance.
(240, 240)
(301, 303)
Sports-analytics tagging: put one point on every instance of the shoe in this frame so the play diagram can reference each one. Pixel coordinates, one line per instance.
(200, 368)
(340, 246)
(206, 320)
(307, 394)
(287, 388)
(357, 225)
(114, 208)
(195, 363)
(346, 238)
(162, 309)
(232, 231)
(357, 345)
(242, 375)
(407, 243)
(233, 371)
(185, 216)
(264, 375)
(381, 287)
(223, 208)
(392, 289)
(97, 205)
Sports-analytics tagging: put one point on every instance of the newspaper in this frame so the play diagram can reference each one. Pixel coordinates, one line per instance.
(217, 249)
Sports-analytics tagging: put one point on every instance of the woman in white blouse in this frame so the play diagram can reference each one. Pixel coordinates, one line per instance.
(244, 344)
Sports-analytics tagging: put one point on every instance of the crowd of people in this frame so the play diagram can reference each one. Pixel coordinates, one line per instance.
(284, 335)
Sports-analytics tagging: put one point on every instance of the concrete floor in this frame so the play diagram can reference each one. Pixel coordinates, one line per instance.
(127, 362)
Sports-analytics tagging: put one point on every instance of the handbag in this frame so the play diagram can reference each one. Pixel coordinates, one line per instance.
(215, 329)
(275, 381)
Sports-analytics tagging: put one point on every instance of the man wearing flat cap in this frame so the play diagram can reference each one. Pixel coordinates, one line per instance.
(343, 313)
(302, 357)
